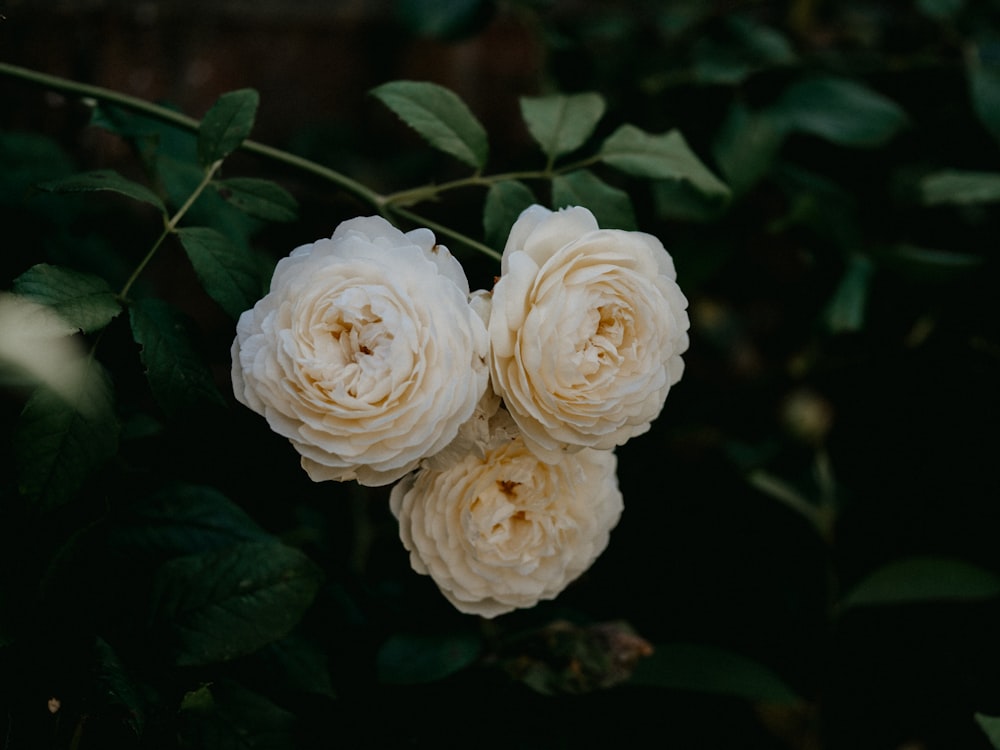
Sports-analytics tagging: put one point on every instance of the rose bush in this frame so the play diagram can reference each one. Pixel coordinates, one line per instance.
(505, 530)
(365, 353)
(587, 330)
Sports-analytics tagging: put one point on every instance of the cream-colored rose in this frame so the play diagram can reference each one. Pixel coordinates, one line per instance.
(365, 353)
(587, 330)
(505, 530)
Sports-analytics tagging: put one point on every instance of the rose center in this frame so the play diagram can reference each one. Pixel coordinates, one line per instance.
(606, 333)
(350, 346)
(511, 524)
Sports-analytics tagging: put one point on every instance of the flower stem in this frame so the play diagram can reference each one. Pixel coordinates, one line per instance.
(170, 226)
(164, 114)
(429, 192)
(383, 204)
(446, 231)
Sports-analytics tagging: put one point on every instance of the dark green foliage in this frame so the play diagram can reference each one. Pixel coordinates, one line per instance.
(808, 553)
(177, 375)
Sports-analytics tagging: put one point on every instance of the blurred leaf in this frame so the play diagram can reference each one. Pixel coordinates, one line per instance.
(227, 716)
(227, 274)
(226, 125)
(991, 726)
(562, 123)
(822, 206)
(746, 145)
(763, 44)
(678, 200)
(406, 658)
(706, 669)
(178, 377)
(984, 82)
(611, 207)
(58, 443)
(744, 48)
(182, 519)
(928, 264)
(149, 135)
(445, 19)
(960, 187)
(846, 311)
(82, 300)
(665, 157)
(27, 159)
(294, 664)
(504, 203)
(143, 133)
(840, 110)
(438, 115)
(112, 690)
(227, 603)
(104, 179)
(940, 10)
(260, 198)
(680, 16)
(923, 579)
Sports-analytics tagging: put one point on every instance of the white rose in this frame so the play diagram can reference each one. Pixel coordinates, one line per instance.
(506, 530)
(365, 353)
(587, 330)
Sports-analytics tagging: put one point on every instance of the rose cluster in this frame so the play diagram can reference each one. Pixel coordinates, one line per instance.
(497, 411)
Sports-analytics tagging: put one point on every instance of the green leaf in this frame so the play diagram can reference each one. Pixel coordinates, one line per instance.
(940, 10)
(846, 311)
(991, 726)
(27, 159)
(224, 715)
(929, 264)
(104, 179)
(706, 669)
(960, 188)
(82, 300)
(181, 520)
(181, 178)
(611, 207)
(226, 125)
(746, 146)
(444, 19)
(839, 110)
(407, 659)
(559, 123)
(294, 664)
(112, 692)
(226, 273)
(504, 203)
(438, 115)
(984, 83)
(743, 48)
(923, 579)
(664, 157)
(178, 377)
(220, 605)
(60, 442)
(678, 200)
(262, 199)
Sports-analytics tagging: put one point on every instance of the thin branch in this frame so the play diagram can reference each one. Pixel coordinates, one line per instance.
(184, 122)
